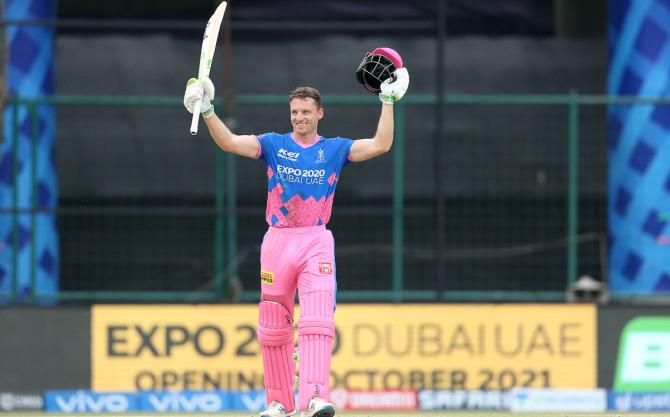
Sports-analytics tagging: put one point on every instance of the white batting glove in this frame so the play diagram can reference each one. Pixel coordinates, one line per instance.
(393, 91)
(195, 90)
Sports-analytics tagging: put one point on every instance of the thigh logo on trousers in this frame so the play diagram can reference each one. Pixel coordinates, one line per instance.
(325, 268)
(267, 277)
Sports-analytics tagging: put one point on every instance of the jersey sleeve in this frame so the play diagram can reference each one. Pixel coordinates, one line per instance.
(344, 146)
(266, 144)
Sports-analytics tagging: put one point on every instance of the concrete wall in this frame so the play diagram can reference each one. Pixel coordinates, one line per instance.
(45, 348)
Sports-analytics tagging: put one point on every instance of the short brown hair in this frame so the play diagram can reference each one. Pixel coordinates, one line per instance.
(306, 92)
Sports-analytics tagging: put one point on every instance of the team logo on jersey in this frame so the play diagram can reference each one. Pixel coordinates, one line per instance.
(267, 277)
(291, 156)
(325, 267)
(320, 157)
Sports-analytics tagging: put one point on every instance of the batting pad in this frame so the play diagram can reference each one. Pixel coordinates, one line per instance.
(316, 330)
(275, 335)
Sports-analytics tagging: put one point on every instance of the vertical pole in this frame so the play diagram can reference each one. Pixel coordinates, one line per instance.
(219, 227)
(440, 220)
(398, 193)
(228, 175)
(232, 216)
(573, 187)
(15, 198)
(34, 209)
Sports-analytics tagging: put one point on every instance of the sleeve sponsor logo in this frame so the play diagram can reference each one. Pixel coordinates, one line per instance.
(267, 277)
(325, 268)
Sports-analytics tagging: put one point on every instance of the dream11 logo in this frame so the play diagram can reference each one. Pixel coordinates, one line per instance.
(643, 364)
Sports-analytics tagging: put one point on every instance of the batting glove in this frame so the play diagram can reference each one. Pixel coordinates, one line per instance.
(393, 91)
(195, 90)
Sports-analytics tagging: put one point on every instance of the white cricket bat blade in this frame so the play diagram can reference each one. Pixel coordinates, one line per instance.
(206, 56)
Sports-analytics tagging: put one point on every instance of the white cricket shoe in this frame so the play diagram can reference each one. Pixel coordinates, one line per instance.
(318, 407)
(276, 409)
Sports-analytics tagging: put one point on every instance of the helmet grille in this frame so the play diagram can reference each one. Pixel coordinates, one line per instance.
(374, 70)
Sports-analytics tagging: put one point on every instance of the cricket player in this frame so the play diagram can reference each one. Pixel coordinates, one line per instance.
(298, 251)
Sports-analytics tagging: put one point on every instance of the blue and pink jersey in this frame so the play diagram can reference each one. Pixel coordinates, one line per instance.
(301, 178)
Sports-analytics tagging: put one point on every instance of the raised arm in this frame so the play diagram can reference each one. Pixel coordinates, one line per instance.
(381, 142)
(243, 145)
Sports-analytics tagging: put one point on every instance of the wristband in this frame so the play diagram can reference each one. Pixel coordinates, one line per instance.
(387, 98)
(208, 113)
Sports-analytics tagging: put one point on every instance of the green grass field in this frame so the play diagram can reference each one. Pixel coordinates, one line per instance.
(358, 414)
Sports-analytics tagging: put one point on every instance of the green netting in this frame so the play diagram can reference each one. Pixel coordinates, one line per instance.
(149, 213)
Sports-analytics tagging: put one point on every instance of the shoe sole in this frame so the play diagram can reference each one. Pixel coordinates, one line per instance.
(286, 414)
(325, 412)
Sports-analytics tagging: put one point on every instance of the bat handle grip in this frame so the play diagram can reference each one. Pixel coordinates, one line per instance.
(196, 117)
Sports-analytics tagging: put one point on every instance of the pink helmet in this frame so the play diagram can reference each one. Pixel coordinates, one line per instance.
(376, 67)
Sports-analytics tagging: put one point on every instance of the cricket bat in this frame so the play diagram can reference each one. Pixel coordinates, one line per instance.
(206, 56)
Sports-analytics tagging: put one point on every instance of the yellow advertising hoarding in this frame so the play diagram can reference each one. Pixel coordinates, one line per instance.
(378, 346)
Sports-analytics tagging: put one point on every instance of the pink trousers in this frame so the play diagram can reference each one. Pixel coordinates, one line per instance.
(302, 258)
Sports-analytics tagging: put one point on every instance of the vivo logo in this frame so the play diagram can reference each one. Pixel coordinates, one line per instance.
(83, 402)
(207, 402)
(253, 403)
